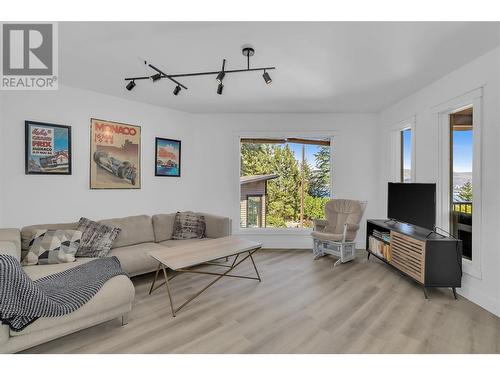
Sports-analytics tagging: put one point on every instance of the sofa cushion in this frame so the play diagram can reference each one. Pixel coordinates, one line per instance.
(217, 226)
(188, 225)
(134, 230)
(135, 259)
(53, 246)
(163, 225)
(116, 292)
(28, 232)
(173, 243)
(97, 238)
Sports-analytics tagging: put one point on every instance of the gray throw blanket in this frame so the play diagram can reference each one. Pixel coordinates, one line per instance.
(22, 301)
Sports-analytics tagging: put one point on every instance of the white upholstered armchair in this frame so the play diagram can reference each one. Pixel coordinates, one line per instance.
(336, 234)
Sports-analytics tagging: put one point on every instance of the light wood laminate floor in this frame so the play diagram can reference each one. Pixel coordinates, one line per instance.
(301, 306)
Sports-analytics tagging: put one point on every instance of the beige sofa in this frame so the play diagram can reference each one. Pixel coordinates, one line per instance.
(138, 236)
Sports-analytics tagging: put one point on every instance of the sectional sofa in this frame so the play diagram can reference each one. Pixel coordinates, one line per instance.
(139, 235)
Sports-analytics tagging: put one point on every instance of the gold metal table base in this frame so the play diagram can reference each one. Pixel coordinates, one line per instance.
(190, 270)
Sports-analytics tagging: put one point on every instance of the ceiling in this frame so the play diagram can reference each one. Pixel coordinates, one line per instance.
(321, 66)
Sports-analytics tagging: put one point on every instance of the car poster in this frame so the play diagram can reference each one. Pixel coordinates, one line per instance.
(168, 157)
(47, 148)
(115, 155)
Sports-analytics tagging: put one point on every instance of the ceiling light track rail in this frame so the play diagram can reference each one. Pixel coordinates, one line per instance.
(202, 73)
(246, 51)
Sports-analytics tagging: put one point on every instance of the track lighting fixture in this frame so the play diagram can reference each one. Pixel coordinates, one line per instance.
(221, 75)
(130, 85)
(267, 77)
(247, 51)
(156, 77)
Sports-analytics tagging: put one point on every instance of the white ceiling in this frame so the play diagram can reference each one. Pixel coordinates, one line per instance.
(321, 66)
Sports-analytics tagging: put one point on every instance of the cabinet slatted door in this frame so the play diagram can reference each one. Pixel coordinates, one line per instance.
(408, 255)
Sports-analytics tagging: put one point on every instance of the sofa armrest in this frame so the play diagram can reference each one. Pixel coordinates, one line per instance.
(4, 335)
(352, 227)
(217, 226)
(10, 242)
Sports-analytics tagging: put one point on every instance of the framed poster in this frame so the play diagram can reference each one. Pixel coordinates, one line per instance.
(47, 148)
(115, 155)
(167, 157)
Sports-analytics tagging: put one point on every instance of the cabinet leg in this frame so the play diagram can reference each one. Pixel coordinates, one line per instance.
(368, 256)
(454, 292)
(425, 293)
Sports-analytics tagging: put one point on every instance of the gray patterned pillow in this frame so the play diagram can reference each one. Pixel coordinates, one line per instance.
(52, 247)
(188, 225)
(97, 238)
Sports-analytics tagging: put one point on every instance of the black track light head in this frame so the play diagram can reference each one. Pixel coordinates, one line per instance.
(130, 85)
(220, 88)
(267, 77)
(156, 77)
(177, 90)
(220, 77)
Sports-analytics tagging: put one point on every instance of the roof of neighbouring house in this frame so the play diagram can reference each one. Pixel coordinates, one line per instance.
(258, 177)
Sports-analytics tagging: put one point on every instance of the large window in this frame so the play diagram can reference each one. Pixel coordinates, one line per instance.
(284, 183)
(405, 169)
(461, 154)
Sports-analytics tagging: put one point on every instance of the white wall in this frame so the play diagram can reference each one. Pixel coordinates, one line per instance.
(217, 150)
(482, 72)
(210, 160)
(30, 199)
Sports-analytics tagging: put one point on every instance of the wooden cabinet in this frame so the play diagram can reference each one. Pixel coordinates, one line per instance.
(429, 258)
(408, 255)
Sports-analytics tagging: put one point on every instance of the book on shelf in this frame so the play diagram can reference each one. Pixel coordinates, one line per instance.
(384, 236)
(380, 248)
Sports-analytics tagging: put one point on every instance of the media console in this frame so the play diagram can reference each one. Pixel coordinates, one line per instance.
(429, 258)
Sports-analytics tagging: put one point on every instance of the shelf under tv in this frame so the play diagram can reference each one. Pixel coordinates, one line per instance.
(428, 258)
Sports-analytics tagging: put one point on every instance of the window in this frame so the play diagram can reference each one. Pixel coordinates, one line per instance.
(459, 208)
(254, 211)
(284, 182)
(461, 155)
(405, 169)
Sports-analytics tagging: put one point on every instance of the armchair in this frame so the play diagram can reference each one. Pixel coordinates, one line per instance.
(336, 234)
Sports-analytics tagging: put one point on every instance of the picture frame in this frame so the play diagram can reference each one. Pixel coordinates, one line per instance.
(47, 148)
(115, 155)
(167, 157)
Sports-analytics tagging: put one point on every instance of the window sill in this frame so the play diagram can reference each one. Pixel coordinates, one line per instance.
(273, 231)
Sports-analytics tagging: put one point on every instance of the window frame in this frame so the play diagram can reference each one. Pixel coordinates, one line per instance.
(396, 149)
(441, 114)
(237, 229)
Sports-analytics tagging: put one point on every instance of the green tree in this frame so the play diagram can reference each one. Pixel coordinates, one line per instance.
(465, 192)
(320, 178)
(284, 191)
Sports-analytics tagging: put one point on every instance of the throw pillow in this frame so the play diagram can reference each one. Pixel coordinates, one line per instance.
(97, 238)
(188, 225)
(52, 246)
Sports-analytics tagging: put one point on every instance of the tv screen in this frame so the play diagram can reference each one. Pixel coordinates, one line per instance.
(412, 204)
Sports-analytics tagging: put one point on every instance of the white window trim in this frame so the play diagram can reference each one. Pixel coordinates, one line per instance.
(441, 115)
(395, 147)
(237, 171)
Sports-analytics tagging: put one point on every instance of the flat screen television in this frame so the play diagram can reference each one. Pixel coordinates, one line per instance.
(412, 204)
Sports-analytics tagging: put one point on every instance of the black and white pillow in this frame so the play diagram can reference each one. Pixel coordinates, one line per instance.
(52, 247)
(97, 238)
(188, 225)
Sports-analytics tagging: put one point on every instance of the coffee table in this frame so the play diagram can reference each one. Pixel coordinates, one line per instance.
(188, 258)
